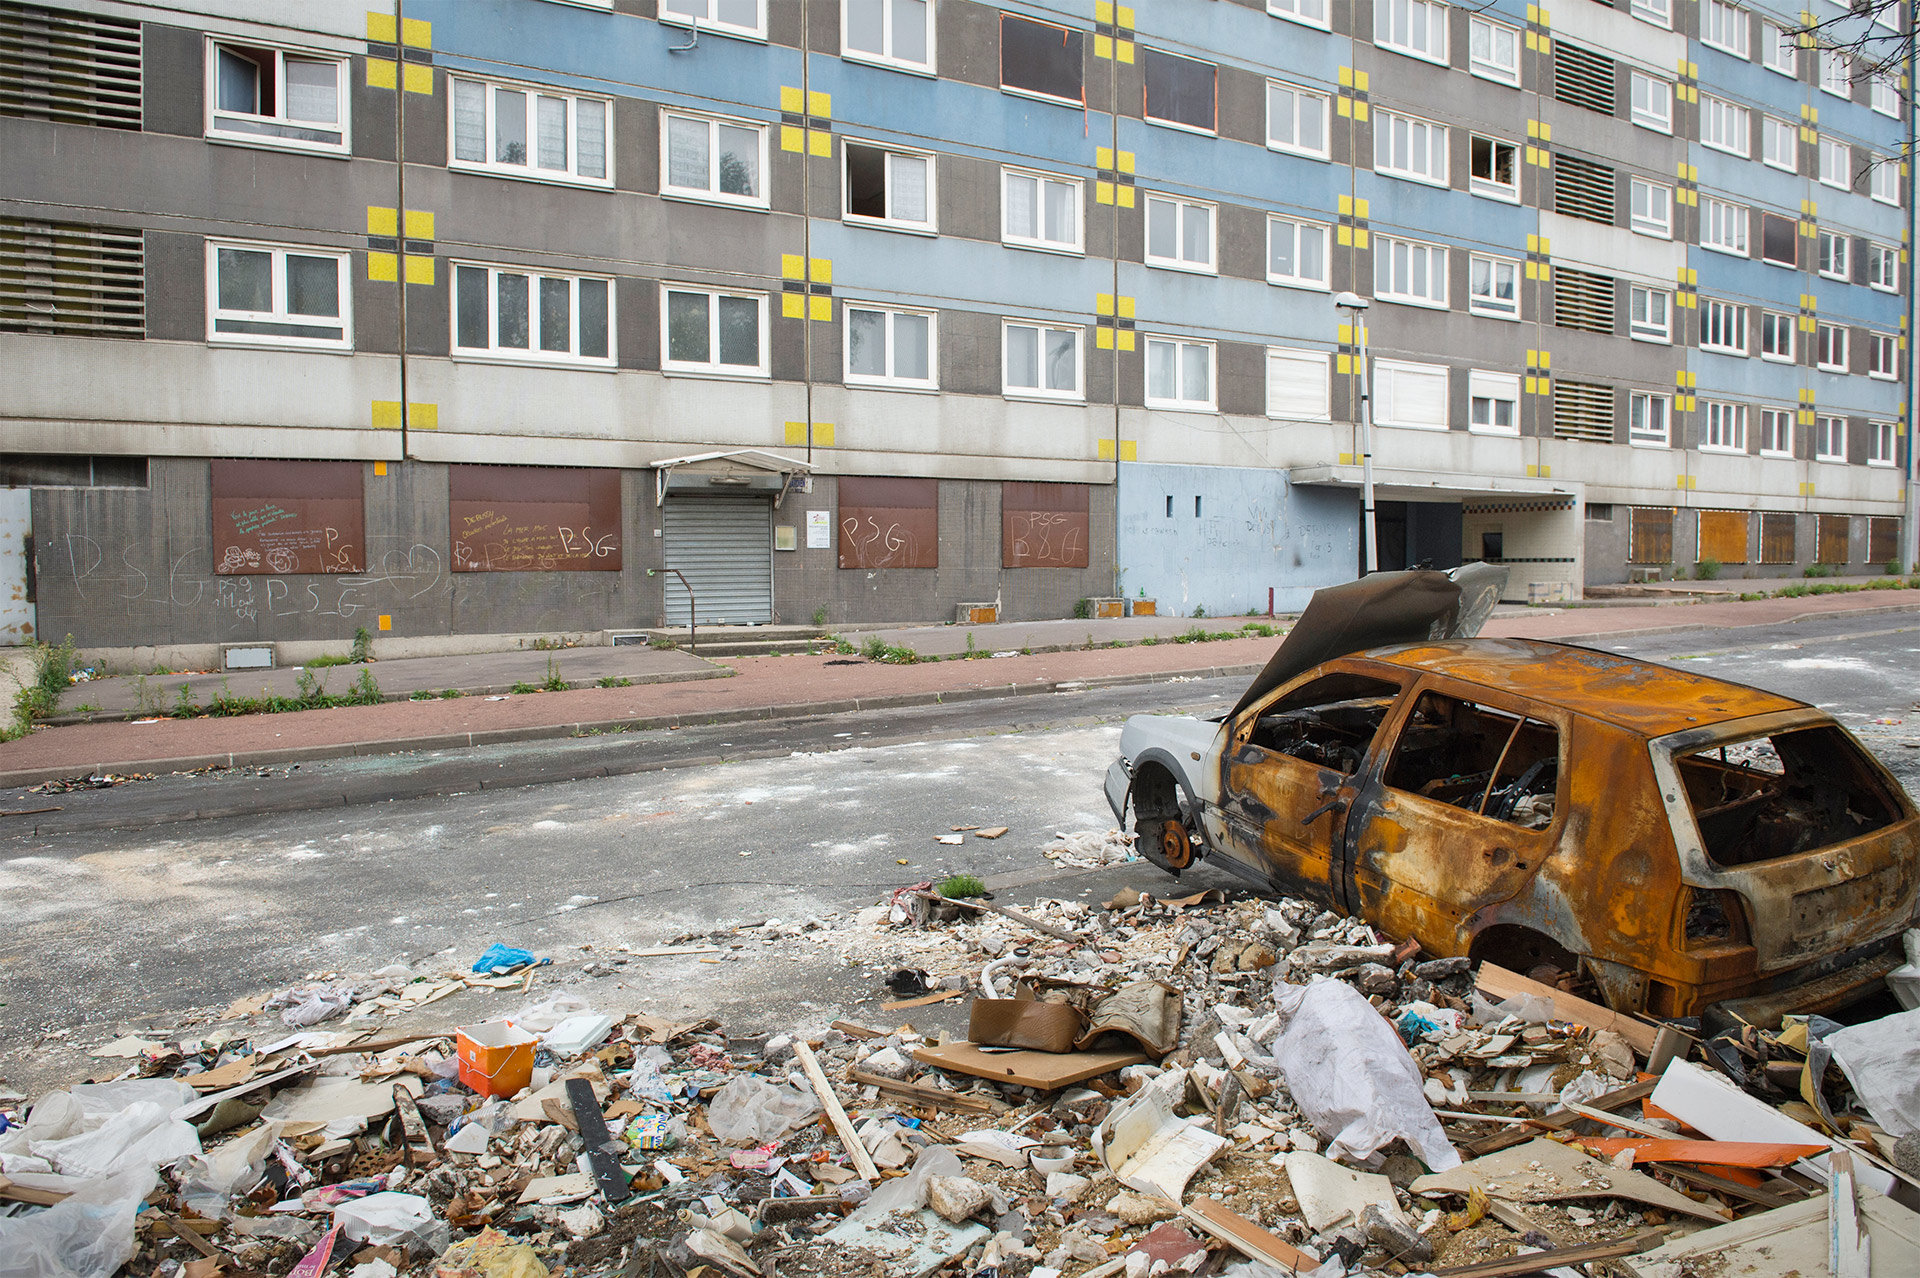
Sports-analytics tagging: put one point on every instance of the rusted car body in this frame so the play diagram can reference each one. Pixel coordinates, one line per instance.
(1677, 839)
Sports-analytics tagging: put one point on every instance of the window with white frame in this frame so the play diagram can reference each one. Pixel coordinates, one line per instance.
(1880, 445)
(891, 32)
(1042, 361)
(1776, 336)
(1647, 422)
(270, 295)
(1884, 184)
(1493, 50)
(705, 158)
(886, 347)
(519, 131)
(1409, 147)
(1836, 163)
(1829, 439)
(1493, 403)
(1311, 12)
(1723, 125)
(1493, 286)
(727, 17)
(1883, 268)
(1408, 394)
(1776, 432)
(1830, 347)
(889, 188)
(711, 331)
(1658, 12)
(1650, 102)
(1296, 252)
(1779, 49)
(1723, 225)
(1179, 234)
(1296, 119)
(1409, 271)
(1779, 143)
(1182, 92)
(1880, 356)
(1494, 168)
(1886, 95)
(1179, 374)
(1417, 28)
(1725, 27)
(1723, 327)
(1039, 210)
(1836, 73)
(1297, 385)
(1650, 314)
(1650, 208)
(276, 97)
(1726, 428)
(507, 313)
(1834, 257)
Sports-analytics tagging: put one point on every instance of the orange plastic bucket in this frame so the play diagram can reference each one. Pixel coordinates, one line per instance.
(496, 1059)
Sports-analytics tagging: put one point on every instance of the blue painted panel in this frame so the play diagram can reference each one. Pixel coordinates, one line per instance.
(1440, 215)
(1266, 44)
(1746, 379)
(1255, 531)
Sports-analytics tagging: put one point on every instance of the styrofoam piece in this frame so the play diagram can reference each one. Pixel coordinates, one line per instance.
(1709, 1103)
(577, 1034)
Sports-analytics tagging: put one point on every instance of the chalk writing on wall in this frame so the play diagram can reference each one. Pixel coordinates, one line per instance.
(534, 519)
(1044, 525)
(285, 518)
(889, 523)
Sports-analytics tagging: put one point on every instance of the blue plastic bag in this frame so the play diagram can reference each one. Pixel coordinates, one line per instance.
(502, 958)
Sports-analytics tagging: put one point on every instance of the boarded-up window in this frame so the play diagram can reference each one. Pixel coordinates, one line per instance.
(1651, 535)
(1044, 525)
(1180, 90)
(534, 519)
(1777, 537)
(285, 517)
(1038, 57)
(889, 523)
(1835, 539)
(1723, 536)
(1883, 540)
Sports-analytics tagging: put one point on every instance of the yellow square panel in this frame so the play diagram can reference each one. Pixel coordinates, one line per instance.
(823, 434)
(380, 28)
(1125, 195)
(1533, 41)
(419, 269)
(1103, 338)
(1343, 105)
(791, 138)
(820, 270)
(820, 308)
(1343, 365)
(419, 79)
(1360, 208)
(379, 468)
(1343, 234)
(819, 142)
(820, 104)
(1360, 112)
(792, 266)
(386, 621)
(1103, 157)
(1344, 334)
(1103, 11)
(423, 416)
(383, 266)
(1123, 52)
(1359, 237)
(1129, 449)
(1533, 386)
(791, 99)
(1126, 308)
(1126, 343)
(1103, 303)
(420, 224)
(1546, 359)
(793, 306)
(796, 434)
(1102, 46)
(1360, 81)
(1104, 450)
(382, 73)
(382, 221)
(386, 414)
(1346, 77)
(1346, 205)
(416, 33)
(1103, 192)
(1124, 16)
(1125, 159)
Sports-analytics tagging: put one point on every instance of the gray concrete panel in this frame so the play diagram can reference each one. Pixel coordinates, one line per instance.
(636, 146)
(784, 24)
(1242, 370)
(1242, 234)
(787, 359)
(373, 111)
(1242, 97)
(969, 353)
(966, 42)
(1101, 372)
(173, 77)
(176, 287)
(430, 313)
(376, 309)
(969, 193)
(636, 323)
(427, 141)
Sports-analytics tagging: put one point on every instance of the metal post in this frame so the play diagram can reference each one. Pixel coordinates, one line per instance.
(693, 610)
(1910, 507)
(1354, 304)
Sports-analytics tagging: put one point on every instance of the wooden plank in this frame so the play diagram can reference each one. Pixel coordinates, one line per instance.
(1248, 1238)
(852, 1030)
(1701, 1179)
(1561, 1119)
(189, 1235)
(592, 1125)
(12, 1193)
(922, 1001)
(862, 1161)
(1500, 983)
(1024, 920)
(1044, 1070)
(382, 1044)
(1540, 1261)
(925, 1095)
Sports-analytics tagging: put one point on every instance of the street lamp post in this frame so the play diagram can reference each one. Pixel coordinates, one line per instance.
(1354, 304)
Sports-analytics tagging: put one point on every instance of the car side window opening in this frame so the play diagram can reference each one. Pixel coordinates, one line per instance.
(1779, 796)
(1487, 761)
(1330, 722)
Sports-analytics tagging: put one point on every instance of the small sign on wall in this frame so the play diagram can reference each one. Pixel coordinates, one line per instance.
(786, 537)
(819, 529)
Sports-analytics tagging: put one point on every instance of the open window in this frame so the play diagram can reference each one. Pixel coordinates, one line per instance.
(1771, 797)
(1330, 722)
(1484, 760)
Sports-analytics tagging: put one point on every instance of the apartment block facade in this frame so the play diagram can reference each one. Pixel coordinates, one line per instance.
(461, 317)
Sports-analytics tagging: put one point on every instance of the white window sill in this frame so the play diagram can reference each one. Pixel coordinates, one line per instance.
(922, 69)
(1724, 149)
(1832, 461)
(1079, 104)
(1775, 455)
(1649, 443)
(1185, 268)
(1663, 233)
(1025, 396)
(714, 374)
(1777, 359)
(1884, 377)
(882, 224)
(233, 341)
(1421, 178)
(1662, 127)
(1731, 351)
(1512, 317)
(1494, 75)
(1831, 368)
(715, 201)
(1187, 128)
(1421, 302)
(907, 388)
(1782, 168)
(1298, 21)
(1721, 450)
(1281, 148)
(1495, 432)
(542, 177)
(1500, 193)
(1058, 250)
(1881, 465)
(1283, 281)
(1730, 252)
(1178, 406)
(467, 355)
(342, 152)
(706, 26)
(1651, 339)
(1417, 55)
(1884, 288)
(1428, 426)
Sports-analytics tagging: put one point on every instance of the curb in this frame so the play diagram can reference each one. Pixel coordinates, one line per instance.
(1647, 632)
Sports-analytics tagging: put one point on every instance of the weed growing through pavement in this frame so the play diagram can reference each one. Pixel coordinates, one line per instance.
(523, 688)
(362, 649)
(615, 681)
(962, 885)
(554, 683)
(878, 649)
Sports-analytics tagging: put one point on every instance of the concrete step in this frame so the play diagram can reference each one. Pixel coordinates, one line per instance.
(744, 641)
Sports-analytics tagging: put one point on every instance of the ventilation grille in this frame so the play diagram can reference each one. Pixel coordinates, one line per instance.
(1582, 77)
(69, 67)
(1582, 188)
(60, 277)
(1583, 300)
(1583, 410)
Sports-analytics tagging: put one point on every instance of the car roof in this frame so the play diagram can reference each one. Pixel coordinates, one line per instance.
(1639, 696)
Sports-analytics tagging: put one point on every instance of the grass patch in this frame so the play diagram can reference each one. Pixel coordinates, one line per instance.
(327, 659)
(962, 885)
(614, 681)
(892, 654)
(523, 688)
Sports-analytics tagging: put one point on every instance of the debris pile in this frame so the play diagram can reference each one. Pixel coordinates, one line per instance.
(1201, 1085)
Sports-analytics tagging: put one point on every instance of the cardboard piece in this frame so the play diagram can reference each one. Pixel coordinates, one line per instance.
(344, 1106)
(1546, 1171)
(232, 1074)
(1046, 1071)
(1500, 983)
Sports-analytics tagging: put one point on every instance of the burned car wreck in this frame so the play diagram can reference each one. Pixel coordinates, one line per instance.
(1676, 840)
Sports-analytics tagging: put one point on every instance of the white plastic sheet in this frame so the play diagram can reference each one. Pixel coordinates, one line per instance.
(1350, 1074)
(90, 1235)
(752, 1111)
(1882, 1061)
(98, 1129)
(1904, 980)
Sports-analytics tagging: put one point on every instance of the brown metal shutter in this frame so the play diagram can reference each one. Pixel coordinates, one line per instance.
(1723, 536)
(1651, 535)
(1777, 537)
(1835, 539)
(1883, 540)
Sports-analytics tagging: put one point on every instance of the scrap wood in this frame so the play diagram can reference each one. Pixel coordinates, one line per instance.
(852, 1030)
(188, 1232)
(235, 1071)
(1540, 1261)
(1024, 920)
(593, 1130)
(1043, 1070)
(1500, 983)
(925, 1095)
(206, 1104)
(1545, 1171)
(1647, 1130)
(1560, 1119)
(1846, 1243)
(381, 1044)
(1700, 1178)
(862, 1161)
(13, 1193)
(36, 811)
(1246, 1237)
(1713, 1153)
(922, 1001)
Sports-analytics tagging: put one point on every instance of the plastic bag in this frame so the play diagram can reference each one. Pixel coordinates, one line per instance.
(125, 1126)
(1904, 980)
(311, 1004)
(909, 1192)
(751, 1111)
(1351, 1075)
(210, 1179)
(90, 1235)
(390, 1220)
(502, 958)
(543, 1014)
(1882, 1061)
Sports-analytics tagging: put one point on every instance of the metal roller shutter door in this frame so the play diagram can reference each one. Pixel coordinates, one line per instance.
(724, 546)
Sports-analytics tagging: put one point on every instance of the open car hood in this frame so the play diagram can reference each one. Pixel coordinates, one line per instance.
(1385, 608)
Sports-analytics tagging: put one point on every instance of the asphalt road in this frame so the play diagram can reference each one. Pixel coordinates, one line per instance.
(740, 822)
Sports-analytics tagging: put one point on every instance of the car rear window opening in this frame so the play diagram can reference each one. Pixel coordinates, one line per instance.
(1785, 795)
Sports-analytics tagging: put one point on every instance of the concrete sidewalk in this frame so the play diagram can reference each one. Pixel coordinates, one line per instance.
(765, 688)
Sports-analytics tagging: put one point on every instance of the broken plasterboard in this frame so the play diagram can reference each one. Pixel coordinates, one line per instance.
(344, 1105)
(1147, 1147)
(1790, 1239)
(926, 1243)
(1329, 1193)
(1543, 1171)
(1043, 1070)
